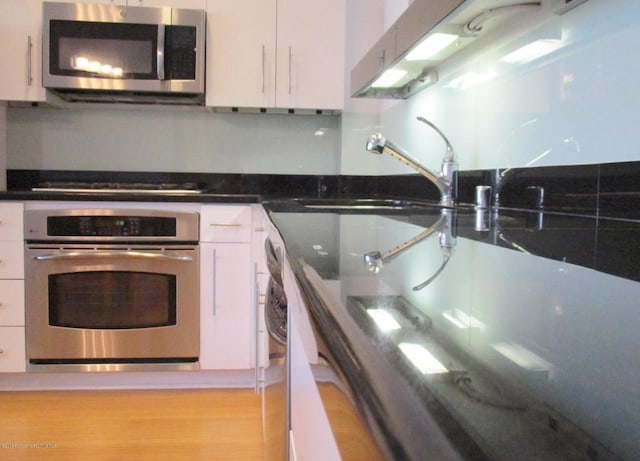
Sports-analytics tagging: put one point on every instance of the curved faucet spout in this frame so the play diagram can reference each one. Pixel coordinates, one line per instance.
(443, 180)
(374, 260)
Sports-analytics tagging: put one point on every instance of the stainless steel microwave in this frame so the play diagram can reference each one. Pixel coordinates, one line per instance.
(106, 52)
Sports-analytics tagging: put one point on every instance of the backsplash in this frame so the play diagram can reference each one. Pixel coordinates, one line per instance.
(176, 140)
(577, 105)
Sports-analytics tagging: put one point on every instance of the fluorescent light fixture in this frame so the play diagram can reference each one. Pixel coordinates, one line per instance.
(522, 357)
(383, 319)
(532, 51)
(422, 359)
(431, 46)
(389, 78)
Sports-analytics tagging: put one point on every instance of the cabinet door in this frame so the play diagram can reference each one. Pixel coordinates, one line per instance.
(225, 223)
(241, 53)
(11, 260)
(21, 50)
(11, 221)
(311, 437)
(311, 53)
(11, 302)
(12, 349)
(227, 328)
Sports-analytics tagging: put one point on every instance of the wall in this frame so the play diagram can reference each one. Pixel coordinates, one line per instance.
(578, 105)
(112, 139)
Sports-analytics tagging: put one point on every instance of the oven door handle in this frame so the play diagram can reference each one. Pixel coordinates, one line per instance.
(111, 254)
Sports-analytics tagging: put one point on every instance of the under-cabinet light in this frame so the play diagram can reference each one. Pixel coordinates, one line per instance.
(422, 359)
(389, 78)
(431, 46)
(383, 319)
(532, 51)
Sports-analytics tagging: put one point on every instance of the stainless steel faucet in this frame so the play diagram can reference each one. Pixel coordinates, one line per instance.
(443, 180)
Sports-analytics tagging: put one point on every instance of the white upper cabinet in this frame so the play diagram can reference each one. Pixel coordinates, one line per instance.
(21, 51)
(276, 54)
(241, 53)
(310, 50)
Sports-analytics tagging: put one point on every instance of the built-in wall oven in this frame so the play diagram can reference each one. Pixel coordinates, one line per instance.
(111, 289)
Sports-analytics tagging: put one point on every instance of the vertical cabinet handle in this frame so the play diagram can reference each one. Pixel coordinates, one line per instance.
(256, 334)
(263, 67)
(215, 288)
(29, 55)
(289, 69)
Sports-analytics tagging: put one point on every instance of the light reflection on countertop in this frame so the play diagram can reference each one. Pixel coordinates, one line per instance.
(538, 346)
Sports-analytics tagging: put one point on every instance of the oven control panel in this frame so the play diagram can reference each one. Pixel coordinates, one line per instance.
(111, 226)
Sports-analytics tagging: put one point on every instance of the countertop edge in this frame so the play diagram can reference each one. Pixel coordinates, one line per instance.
(120, 197)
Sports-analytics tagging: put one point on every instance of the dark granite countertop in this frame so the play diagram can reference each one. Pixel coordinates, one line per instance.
(521, 309)
(533, 314)
(204, 197)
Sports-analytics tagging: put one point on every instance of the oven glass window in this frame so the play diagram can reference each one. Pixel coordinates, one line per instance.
(112, 300)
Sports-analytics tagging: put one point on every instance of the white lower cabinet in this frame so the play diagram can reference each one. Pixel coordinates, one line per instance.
(310, 437)
(11, 302)
(12, 349)
(12, 336)
(226, 315)
(310, 433)
(11, 260)
(227, 323)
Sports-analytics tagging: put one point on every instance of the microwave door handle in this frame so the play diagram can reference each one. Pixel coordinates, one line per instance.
(160, 62)
(111, 254)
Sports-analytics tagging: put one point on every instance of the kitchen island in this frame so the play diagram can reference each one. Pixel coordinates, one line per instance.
(473, 334)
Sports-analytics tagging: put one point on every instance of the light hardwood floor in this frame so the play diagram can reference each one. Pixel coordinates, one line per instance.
(137, 425)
